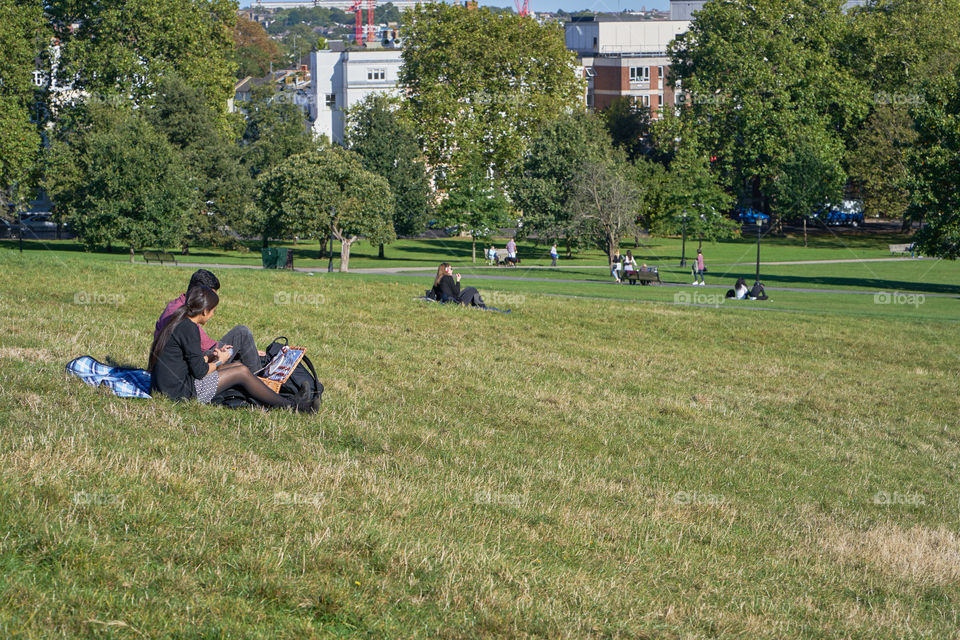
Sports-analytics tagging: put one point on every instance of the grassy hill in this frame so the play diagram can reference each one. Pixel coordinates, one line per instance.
(577, 468)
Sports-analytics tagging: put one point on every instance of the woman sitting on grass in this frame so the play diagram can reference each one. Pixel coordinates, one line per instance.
(180, 371)
(446, 287)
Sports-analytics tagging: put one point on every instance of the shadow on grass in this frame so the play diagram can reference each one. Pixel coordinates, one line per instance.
(873, 284)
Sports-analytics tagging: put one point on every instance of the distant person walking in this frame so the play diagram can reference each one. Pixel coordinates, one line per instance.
(554, 255)
(698, 270)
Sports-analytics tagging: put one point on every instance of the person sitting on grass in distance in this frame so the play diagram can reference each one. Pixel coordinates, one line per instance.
(179, 369)
(740, 289)
(757, 292)
(446, 286)
(239, 339)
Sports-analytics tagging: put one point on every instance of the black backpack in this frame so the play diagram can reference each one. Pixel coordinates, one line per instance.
(302, 387)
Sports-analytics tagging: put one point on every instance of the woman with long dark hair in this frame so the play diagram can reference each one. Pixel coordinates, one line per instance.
(446, 286)
(180, 371)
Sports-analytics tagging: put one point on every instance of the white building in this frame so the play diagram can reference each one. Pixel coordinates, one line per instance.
(341, 79)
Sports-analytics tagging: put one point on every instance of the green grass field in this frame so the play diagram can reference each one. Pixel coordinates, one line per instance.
(604, 462)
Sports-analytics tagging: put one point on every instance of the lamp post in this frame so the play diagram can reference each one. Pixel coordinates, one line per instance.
(683, 245)
(759, 225)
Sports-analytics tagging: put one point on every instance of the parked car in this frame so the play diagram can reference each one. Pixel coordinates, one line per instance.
(38, 222)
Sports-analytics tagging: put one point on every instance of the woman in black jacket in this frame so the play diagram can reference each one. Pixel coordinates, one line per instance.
(446, 286)
(180, 371)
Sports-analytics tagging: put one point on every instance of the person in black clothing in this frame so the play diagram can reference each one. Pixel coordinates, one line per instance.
(180, 371)
(446, 287)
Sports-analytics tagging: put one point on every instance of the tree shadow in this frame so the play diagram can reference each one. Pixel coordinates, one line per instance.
(877, 284)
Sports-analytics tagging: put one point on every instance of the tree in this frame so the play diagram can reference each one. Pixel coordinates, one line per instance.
(689, 187)
(605, 200)
(274, 131)
(254, 50)
(318, 192)
(223, 185)
(478, 84)
(897, 47)
(935, 168)
(21, 40)
(122, 48)
(116, 179)
(758, 73)
(629, 127)
(387, 146)
(542, 184)
(877, 161)
(474, 204)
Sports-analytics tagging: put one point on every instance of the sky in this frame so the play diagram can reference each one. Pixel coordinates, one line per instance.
(571, 5)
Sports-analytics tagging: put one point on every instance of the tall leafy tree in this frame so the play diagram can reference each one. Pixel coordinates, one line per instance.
(629, 127)
(474, 204)
(122, 48)
(273, 131)
(115, 179)
(254, 50)
(542, 184)
(223, 185)
(318, 192)
(935, 164)
(605, 201)
(22, 38)
(760, 71)
(387, 146)
(690, 188)
(478, 84)
(897, 47)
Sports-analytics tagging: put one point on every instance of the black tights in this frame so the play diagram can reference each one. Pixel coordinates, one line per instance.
(236, 374)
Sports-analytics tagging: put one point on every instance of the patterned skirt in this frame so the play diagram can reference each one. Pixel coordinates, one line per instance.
(206, 387)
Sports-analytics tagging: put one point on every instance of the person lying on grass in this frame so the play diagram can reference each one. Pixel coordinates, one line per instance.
(446, 287)
(239, 339)
(180, 370)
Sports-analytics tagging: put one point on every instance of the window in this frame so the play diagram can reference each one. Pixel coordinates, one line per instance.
(645, 101)
(376, 74)
(594, 42)
(660, 76)
(639, 74)
(331, 100)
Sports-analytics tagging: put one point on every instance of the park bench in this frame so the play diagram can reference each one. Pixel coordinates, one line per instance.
(896, 249)
(159, 256)
(642, 276)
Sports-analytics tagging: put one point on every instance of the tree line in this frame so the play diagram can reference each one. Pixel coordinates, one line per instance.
(788, 105)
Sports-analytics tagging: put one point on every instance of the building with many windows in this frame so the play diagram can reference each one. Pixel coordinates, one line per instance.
(342, 78)
(625, 56)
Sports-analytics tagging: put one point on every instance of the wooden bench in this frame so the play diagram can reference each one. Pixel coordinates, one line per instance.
(159, 256)
(642, 276)
(896, 249)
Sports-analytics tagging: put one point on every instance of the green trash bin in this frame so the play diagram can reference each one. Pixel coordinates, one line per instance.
(273, 257)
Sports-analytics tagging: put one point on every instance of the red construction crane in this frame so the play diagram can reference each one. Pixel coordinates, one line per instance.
(357, 9)
(370, 32)
(523, 8)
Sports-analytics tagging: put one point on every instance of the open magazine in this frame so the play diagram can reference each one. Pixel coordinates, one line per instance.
(281, 367)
